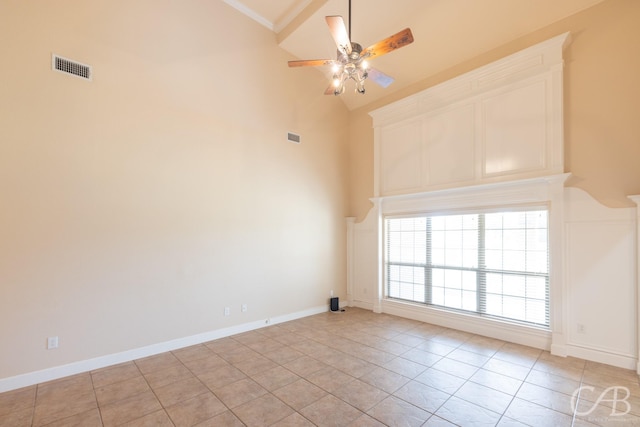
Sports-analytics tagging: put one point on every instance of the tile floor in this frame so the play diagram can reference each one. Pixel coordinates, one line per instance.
(354, 368)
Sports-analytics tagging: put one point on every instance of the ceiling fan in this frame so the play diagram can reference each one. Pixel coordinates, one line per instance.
(351, 62)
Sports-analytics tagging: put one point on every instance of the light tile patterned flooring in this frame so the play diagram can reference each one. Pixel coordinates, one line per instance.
(352, 368)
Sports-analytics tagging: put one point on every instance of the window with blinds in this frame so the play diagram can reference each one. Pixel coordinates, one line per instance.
(491, 263)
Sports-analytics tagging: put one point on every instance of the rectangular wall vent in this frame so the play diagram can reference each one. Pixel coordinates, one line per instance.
(67, 66)
(292, 137)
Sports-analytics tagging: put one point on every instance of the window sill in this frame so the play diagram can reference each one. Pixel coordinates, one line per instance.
(529, 335)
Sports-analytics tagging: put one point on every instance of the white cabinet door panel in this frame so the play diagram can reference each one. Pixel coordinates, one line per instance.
(450, 144)
(514, 124)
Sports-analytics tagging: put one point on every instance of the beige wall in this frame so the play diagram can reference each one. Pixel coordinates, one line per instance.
(602, 100)
(134, 208)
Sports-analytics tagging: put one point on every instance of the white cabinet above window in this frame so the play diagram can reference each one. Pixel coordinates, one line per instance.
(500, 122)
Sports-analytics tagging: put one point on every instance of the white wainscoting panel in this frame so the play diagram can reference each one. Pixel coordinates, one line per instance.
(363, 265)
(514, 131)
(401, 159)
(600, 273)
(450, 152)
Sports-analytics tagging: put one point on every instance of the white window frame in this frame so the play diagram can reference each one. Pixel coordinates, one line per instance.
(478, 270)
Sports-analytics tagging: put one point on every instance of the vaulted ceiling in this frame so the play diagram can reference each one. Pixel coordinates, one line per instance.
(446, 32)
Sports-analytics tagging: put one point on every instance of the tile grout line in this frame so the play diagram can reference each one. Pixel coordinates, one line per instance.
(98, 406)
(466, 380)
(577, 399)
(385, 349)
(513, 397)
(154, 392)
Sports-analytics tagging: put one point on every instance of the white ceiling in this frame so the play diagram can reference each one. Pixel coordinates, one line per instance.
(446, 32)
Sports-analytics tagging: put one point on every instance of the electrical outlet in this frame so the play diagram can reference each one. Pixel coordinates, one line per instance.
(227, 311)
(243, 308)
(52, 342)
(331, 293)
(581, 329)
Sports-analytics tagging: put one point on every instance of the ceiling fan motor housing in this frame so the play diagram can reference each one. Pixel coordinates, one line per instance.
(354, 56)
(355, 51)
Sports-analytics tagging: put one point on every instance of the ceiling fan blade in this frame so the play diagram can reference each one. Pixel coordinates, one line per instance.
(311, 62)
(330, 90)
(379, 77)
(389, 44)
(339, 33)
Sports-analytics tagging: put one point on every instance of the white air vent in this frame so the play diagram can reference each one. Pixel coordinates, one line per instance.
(67, 66)
(292, 137)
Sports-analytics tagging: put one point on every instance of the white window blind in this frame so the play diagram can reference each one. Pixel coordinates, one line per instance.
(490, 263)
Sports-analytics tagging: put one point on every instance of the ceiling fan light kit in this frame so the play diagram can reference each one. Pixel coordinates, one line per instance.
(351, 61)
(351, 66)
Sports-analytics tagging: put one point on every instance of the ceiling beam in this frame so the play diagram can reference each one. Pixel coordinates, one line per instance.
(301, 18)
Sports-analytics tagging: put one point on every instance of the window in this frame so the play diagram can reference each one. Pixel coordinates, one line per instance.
(491, 263)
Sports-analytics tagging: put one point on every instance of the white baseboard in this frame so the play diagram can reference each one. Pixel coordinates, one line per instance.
(559, 350)
(37, 377)
(624, 361)
(362, 304)
(524, 335)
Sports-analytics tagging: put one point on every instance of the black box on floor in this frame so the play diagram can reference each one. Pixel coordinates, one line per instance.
(334, 304)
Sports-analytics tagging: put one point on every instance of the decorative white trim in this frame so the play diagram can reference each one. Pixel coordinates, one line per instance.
(251, 14)
(364, 305)
(540, 58)
(599, 311)
(558, 349)
(281, 23)
(602, 356)
(524, 191)
(498, 123)
(636, 199)
(379, 292)
(493, 328)
(31, 378)
(557, 253)
(351, 222)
